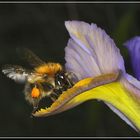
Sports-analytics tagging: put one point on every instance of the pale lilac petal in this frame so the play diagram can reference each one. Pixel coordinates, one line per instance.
(77, 63)
(96, 45)
(133, 80)
(131, 84)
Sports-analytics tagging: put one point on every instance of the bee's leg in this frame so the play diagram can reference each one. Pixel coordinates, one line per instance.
(54, 96)
(70, 83)
(35, 106)
(33, 111)
(56, 93)
(71, 78)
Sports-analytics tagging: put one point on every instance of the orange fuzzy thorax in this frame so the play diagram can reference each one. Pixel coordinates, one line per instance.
(49, 68)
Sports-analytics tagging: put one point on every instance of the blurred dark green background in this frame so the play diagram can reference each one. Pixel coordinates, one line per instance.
(40, 27)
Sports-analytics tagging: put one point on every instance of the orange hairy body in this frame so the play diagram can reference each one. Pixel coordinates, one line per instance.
(49, 68)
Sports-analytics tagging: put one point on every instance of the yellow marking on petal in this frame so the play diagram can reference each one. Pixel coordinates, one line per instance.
(115, 94)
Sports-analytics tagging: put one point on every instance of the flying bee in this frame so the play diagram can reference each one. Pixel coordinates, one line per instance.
(44, 80)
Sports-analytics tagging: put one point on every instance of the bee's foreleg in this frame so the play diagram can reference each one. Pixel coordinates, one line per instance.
(70, 83)
(71, 78)
(54, 96)
(35, 106)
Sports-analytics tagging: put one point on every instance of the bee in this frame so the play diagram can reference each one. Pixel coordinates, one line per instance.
(45, 79)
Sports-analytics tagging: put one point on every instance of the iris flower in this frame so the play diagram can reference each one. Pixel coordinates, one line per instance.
(96, 61)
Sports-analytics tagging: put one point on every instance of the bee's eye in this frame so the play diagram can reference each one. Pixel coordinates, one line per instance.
(60, 79)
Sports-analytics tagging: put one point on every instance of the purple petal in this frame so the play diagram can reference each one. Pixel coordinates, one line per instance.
(90, 51)
(133, 46)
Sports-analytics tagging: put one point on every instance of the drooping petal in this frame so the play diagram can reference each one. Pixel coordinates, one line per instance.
(126, 104)
(133, 46)
(85, 53)
(119, 99)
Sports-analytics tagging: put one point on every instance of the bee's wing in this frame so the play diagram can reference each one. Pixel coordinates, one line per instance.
(15, 72)
(30, 57)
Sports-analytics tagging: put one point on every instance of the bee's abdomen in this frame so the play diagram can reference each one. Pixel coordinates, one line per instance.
(49, 68)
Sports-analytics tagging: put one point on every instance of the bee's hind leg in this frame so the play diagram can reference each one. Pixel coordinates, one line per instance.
(71, 79)
(54, 96)
(35, 106)
(56, 93)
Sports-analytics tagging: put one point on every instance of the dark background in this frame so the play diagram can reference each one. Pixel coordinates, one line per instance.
(40, 27)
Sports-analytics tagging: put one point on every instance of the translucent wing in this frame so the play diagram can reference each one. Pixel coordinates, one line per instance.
(15, 72)
(30, 57)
